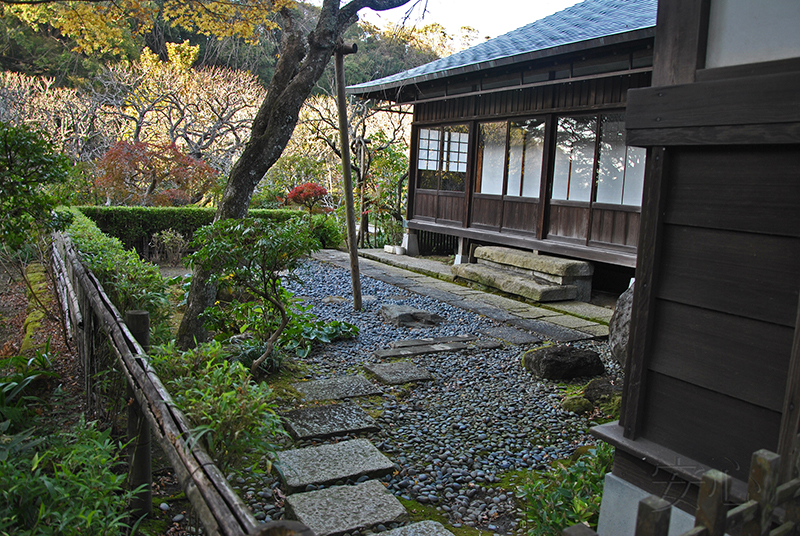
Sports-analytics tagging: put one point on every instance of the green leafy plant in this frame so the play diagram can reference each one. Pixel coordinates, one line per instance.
(28, 164)
(39, 488)
(256, 255)
(130, 282)
(568, 494)
(169, 244)
(232, 415)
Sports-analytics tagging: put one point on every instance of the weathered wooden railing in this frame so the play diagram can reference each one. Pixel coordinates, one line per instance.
(714, 517)
(93, 319)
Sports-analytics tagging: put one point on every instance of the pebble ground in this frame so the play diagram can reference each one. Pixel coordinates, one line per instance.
(454, 438)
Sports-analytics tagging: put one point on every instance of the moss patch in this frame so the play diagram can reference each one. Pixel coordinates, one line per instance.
(421, 512)
(37, 277)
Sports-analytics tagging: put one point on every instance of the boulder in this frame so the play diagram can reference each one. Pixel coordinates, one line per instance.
(577, 404)
(620, 326)
(599, 390)
(405, 316)
(562, 362)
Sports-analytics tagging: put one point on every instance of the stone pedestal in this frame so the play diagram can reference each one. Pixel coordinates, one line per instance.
(410, 243)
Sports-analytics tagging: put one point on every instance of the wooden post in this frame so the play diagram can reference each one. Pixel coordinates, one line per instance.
(344, 140)
(652, 519)
(764, 467)
(711, 511)
(139, 456)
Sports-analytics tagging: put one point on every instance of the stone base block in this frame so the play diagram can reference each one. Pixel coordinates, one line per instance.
(342, 509)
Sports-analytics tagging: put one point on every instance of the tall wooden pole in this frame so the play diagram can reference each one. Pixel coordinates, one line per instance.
(344, 140)
(139, 456)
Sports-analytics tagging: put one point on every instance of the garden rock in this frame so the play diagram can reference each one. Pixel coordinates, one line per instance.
(405, 316)
(562, 362)
(577, 404)
(599, 390)
(619, 327)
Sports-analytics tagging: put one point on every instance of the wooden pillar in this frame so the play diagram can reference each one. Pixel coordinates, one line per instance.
(341, 50)
(139, 456)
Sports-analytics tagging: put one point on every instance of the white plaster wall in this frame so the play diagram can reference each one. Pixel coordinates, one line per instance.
(751, 31)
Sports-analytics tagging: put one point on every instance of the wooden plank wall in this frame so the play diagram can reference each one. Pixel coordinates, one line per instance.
(725, 304)
(570, 96)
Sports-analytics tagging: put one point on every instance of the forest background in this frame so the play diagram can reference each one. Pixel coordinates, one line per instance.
(154, 106)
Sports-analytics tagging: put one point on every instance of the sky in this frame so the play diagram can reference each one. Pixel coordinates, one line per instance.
(489, 18)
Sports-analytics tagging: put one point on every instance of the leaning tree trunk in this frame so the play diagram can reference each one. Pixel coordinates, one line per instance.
(302, 61)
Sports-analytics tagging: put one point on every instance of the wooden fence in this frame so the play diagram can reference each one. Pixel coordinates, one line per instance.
(768, 504)
(96, 326)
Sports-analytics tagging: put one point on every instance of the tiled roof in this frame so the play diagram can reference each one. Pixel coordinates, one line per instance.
(584, 21)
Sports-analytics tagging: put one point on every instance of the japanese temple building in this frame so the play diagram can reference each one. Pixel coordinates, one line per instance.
(520, 140)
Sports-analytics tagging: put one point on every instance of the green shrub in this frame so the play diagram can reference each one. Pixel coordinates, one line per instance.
(73, 486)
(327, 231)
(130, 282)
(134, 226)
(568, 494)
(231, 415)
(28, 163)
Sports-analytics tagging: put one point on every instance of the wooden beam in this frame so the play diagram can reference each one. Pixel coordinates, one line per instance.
(639, 343)
(756, 100)
(790, 421)
(680, 45)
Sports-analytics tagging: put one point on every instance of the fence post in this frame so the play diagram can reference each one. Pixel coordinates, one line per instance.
(764, 468)
(139, 457)
(711, 511)
(652, 519)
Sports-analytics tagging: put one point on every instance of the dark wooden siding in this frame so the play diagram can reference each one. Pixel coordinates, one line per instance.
(425, 204)
(567, 96)
(615, 227)
(521, 214)
(725, 303)
(487, 211)
(571, 222)
(451, 207)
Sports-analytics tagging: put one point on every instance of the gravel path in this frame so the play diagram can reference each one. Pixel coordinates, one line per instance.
(452, 439)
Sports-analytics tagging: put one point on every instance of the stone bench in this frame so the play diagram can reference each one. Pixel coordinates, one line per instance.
(523, 273)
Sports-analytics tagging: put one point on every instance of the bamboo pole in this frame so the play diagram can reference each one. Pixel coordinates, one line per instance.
(344, 140)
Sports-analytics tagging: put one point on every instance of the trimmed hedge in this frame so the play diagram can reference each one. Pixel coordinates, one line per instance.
(135, 226)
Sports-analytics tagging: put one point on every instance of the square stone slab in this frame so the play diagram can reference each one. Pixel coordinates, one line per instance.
(327, 421)
(432, 340)
(337, 388)
(511, 335)
(422, 528)
(328, 464)
(409, 351)
(399, 372)
(341, 509)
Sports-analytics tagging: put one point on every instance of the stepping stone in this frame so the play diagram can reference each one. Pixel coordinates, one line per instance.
(419, 350)
(345, 509)
(326, 421)
(511, 335)
(432, 340)
(423, 528)
(337, 388)
(399, 372)
(549, 330)
(328, 464)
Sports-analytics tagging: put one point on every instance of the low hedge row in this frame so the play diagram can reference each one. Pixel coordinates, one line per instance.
(135, 226)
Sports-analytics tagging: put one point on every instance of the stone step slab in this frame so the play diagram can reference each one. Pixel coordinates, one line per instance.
(399, 372)
(345, 509)
(432, 340)
(328, 464)
(511, 335)
(526, 286)
(337, 388)
(421, 528)
(327, 421)
(411, 351)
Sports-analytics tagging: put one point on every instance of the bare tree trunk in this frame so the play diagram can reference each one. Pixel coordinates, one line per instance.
(301, 63)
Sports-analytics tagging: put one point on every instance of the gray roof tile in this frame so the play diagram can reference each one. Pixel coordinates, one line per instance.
(587, 20)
